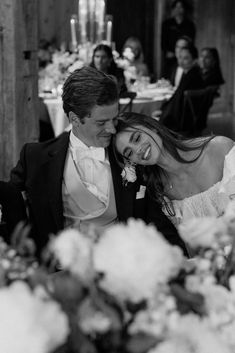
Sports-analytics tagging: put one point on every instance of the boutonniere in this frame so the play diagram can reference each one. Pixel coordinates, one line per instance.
(129, 173)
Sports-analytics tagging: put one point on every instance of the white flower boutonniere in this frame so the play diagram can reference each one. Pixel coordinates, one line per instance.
(128, 174)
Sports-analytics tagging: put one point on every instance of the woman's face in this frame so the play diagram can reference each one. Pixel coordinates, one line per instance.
(206, 60)
(139, 145)
(101, 60)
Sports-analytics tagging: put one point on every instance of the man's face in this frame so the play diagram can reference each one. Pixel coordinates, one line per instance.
(98, 128)
(186, 60)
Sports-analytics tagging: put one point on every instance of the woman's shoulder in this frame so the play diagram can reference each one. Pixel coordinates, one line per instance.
(218, 148)
(220, 145)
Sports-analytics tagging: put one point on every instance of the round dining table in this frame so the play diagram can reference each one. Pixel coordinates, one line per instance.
(144, 103)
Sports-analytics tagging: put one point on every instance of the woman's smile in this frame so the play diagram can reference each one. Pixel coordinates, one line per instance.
(144, 151)
(139, 146)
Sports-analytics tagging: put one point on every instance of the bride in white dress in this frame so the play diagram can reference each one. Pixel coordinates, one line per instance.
(189, 177)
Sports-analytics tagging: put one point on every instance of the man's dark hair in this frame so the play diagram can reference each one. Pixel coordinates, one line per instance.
(87, 87)
(192, 50)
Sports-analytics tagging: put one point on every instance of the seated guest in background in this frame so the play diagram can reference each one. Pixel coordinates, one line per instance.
(173, 28)
(133, 51)
(74, 181)
(188, 177)
(103, 60)
(172, 110)
(177, 70)
(12, 207)
(210, 67)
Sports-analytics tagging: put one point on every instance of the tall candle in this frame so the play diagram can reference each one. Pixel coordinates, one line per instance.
(82, 19)
(109, 32)
(92, 4)
(73, 32)
(99, 14)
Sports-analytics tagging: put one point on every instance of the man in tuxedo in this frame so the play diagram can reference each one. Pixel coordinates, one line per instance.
(74, 179)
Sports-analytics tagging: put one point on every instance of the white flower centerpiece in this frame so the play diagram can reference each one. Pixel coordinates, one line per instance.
(127, 290)
(54, 74)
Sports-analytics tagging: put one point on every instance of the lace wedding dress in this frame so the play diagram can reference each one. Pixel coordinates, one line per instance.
(211, 202)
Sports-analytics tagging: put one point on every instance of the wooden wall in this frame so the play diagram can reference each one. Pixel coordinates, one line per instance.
(54, 16)
(18, 79)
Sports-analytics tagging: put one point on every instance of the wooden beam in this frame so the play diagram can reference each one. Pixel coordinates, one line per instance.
(18, 79)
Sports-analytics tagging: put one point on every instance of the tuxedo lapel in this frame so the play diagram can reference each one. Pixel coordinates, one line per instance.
(124, 196)
(53, 170)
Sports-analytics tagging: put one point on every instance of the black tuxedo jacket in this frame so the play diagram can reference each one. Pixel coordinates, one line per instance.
(13, 209)
(39, 173)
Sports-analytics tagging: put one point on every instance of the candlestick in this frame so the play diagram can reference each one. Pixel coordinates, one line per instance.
(99, 18)
(73, 32)
(109, 32)
(92, 5)
(82, 19)
(109, 25)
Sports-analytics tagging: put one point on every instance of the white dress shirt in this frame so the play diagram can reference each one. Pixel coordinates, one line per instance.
(93, 167)
(178, 75)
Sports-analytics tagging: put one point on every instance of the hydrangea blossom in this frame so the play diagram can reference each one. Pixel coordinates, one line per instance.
(135, 259)
(190, 334)
(74, 252)
(204, 232)
(29, 323)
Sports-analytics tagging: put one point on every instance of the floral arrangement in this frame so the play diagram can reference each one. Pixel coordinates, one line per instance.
(54, 74)
(127, 290)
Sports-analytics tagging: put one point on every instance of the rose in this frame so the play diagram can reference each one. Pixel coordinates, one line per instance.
(128, 174)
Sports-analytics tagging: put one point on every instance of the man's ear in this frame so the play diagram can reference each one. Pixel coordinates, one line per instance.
(74, 119)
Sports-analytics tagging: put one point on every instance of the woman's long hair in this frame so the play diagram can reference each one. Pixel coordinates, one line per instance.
(153, 175)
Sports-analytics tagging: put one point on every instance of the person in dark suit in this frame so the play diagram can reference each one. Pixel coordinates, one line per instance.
(179, 24)
(12, 207)
(74, 180)
(172, 110)
(177, 70)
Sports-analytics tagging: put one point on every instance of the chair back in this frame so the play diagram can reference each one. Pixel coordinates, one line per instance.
(129, 96)
(196, 107)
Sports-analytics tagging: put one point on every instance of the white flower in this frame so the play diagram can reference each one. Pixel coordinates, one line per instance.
(128, 54)
(204, 232)
(128, 174)
(190, 334)
(28, 323)
(232, 283)
(135, 259)
(91, 319)
(229, 217)
(229, 214)
(153, 320)
(74, 252)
